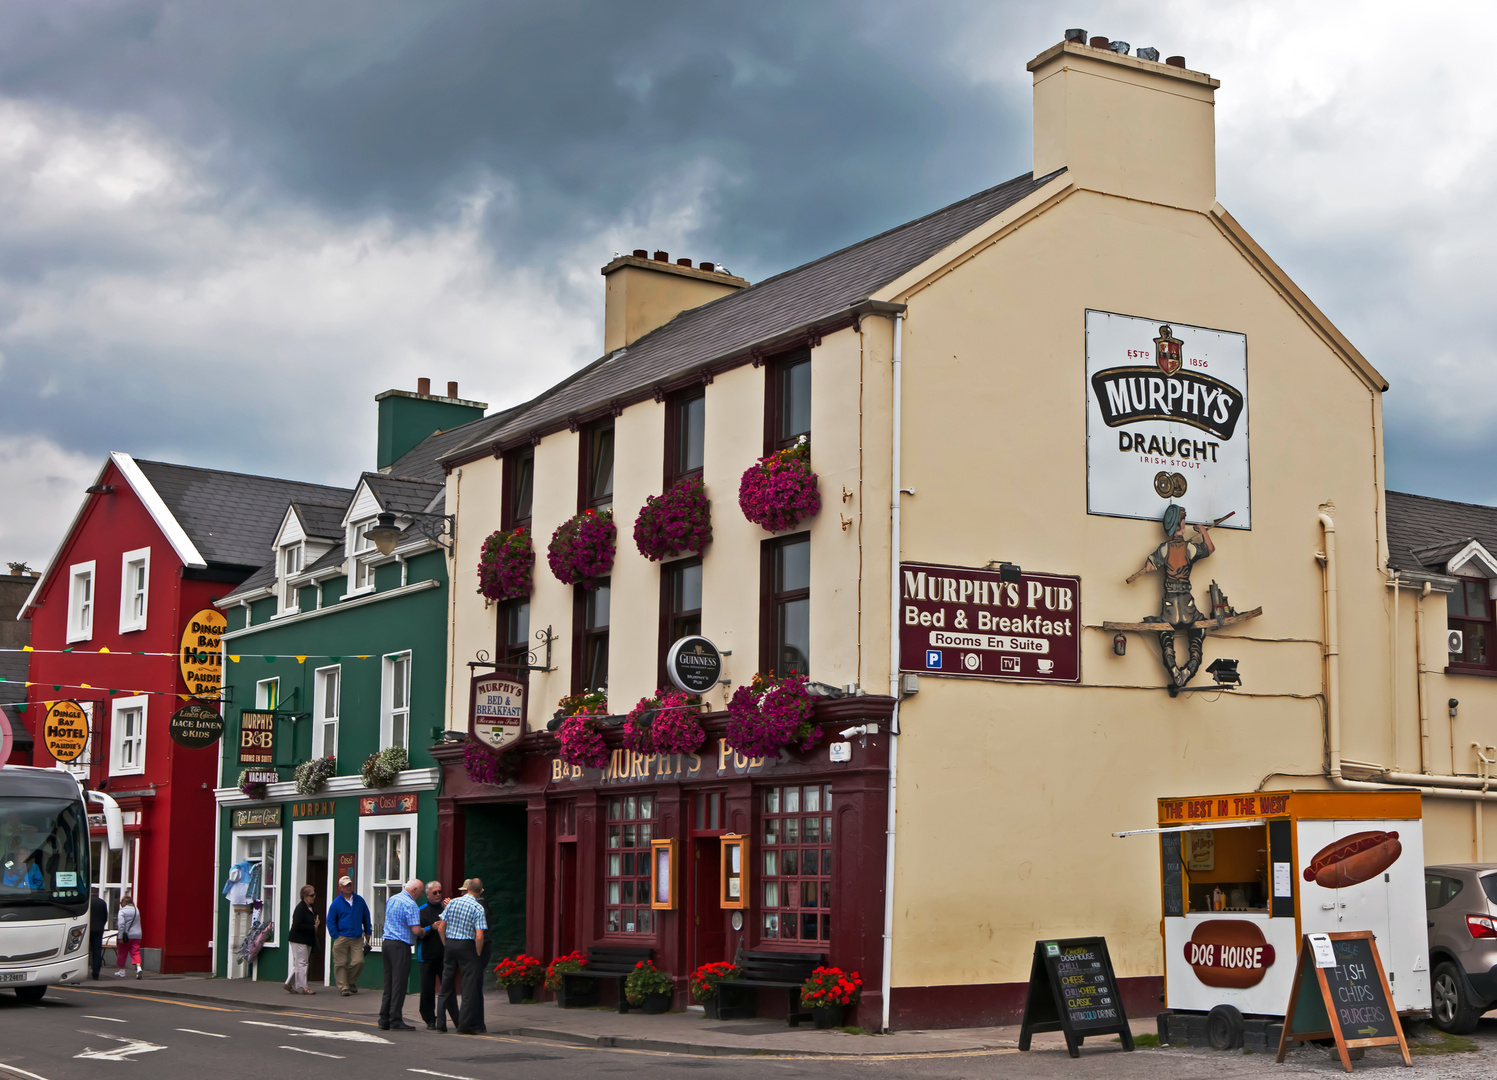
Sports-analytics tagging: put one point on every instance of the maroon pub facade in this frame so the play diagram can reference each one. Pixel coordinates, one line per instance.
(815, 830)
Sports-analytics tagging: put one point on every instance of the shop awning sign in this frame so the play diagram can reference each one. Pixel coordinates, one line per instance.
(1166, 420)
(496, 714)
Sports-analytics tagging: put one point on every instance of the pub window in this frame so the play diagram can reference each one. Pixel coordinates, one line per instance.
(786, 618)
(81, 602)
(591, 649)
(566, 820)
(127, 751)
(267, 693)
(681, 606)
(707, 812)
(514, 635)
(388, 861)
(787, 403)
(262, 848)
(1469, 609)
(325, 696)
(685, 435)
(796, 860)
(597, 467)
(135, 581)
(519, 493)
(396, 714)
(626, 898)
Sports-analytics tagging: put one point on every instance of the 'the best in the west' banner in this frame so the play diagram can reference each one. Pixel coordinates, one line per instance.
(1166, 420)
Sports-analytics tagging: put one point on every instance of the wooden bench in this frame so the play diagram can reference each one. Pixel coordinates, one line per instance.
(765, 970)
(604, 963)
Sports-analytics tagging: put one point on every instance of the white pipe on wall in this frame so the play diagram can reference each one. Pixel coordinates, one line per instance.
(894, 497)
(1424, 767)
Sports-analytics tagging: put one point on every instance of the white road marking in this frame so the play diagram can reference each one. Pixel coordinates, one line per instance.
(446, 1076)
(319, 1033)
(210, 1034)
(111, 1019)
(21, 1072)
(121, 1053)
(314, 1053)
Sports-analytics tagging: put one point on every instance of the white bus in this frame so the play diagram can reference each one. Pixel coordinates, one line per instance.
(45, 877)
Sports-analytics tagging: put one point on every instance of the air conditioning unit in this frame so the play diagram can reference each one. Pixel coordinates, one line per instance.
(1457, 642)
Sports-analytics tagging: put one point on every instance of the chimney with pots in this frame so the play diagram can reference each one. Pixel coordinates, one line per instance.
(405, 418)
(1125, 125)
(643, 292)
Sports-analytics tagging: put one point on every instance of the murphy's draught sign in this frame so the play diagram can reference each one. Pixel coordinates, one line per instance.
(1166, 419)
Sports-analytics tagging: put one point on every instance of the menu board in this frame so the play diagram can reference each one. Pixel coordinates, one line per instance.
(1072, 989)
(1347, 998)
(1170, 874)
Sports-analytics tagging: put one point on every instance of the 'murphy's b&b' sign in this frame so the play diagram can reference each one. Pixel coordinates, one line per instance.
(955, 620)
(496, 713)
(1166, 420)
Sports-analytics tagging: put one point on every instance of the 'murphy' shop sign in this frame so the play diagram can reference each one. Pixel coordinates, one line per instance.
(1166, 420)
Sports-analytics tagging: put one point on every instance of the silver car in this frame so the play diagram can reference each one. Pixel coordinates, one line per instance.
(1461, 901)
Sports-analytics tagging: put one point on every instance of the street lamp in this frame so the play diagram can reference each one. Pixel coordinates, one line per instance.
(386, 534)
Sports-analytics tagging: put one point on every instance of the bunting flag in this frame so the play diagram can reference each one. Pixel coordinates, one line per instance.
(300, 658)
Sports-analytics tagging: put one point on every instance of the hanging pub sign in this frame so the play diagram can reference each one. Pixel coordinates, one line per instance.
(1072, 989)
(201, 658)
(65, 731)
(256, 738)
(1341, 992)
(955, 620)
(1166, 419)
(694, 664)
(496, 710)
(196, 726)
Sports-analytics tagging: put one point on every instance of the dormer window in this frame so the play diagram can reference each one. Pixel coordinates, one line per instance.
(1469, 610)
(290, 564)
(361, 574)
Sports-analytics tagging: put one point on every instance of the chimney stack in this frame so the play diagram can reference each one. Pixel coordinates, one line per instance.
(1123, 125)
(423, 387)
(643, 293)
(452, 389)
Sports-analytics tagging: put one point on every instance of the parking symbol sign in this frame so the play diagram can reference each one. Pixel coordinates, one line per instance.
(933, 658)
(1010, 664)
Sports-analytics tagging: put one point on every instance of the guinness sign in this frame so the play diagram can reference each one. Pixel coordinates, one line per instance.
(694, 665)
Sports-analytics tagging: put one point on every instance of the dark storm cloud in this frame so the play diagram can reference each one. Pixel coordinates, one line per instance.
(821, 123)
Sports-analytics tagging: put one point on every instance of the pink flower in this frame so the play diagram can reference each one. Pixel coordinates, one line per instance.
(779, 491)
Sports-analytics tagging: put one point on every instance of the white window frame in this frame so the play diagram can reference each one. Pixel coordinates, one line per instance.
(82, 604)
(368, 828)
(82, 765)
(269, 908)
(110, 891)
(360, 550)
(130, 596)
(288, 595)
(387, 710)
(324, 723)
(118, 744)
(268, 694)
(301, 833)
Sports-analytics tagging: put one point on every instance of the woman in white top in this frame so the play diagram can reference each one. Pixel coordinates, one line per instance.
(127, 950)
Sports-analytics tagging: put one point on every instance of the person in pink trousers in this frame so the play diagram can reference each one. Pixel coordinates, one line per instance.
(127, 948)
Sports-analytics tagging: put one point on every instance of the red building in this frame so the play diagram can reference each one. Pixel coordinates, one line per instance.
(152, 546)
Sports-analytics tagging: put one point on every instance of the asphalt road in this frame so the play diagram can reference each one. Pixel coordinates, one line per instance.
(88, 1034)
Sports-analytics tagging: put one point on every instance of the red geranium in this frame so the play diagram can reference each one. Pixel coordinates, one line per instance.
(831, 986)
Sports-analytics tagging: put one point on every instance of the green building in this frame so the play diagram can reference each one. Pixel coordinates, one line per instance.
(337, 648)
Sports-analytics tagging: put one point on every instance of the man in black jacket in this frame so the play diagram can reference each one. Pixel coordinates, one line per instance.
(431, 954)
(98, 922)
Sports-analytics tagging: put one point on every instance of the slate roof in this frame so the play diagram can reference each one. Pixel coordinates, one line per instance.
(1424, 532)
(232, 518)
(816, 291)
(401, 496)
(325, 522)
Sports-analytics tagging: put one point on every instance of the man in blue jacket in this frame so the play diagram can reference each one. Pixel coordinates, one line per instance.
(348, 925)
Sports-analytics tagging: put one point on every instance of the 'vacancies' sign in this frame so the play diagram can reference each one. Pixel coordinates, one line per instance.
(1166, 420)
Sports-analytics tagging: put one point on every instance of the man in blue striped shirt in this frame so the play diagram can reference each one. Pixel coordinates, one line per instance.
(462, 928)
(402, 923)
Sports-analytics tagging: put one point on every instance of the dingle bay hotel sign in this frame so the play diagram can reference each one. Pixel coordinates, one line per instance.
(1166, 419)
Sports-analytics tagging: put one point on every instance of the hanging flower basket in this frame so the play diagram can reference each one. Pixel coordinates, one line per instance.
(506, 564)
(486, 765)
(778, 492)
(381, 769)
(253, 791)
(582, 548)
(311, 775)
(678, 522)
(581, 730)
(771, 713)
(668, 723)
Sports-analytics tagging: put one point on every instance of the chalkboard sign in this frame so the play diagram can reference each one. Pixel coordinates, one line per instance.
(1169, 868)
(1341, 992)
(1072, 989)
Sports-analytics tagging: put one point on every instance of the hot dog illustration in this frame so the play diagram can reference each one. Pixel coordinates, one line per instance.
(1229, 953)
(1357, 858)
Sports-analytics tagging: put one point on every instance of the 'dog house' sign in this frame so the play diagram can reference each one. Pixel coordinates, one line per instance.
(1166, 420)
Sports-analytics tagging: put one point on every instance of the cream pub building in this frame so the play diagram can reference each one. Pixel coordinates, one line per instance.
(1005, 400)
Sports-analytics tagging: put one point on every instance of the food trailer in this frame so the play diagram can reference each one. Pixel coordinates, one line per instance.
(1243, 876)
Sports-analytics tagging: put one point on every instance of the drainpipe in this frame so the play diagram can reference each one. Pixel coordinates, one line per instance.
(1393, 666)
(1419, 680)
(1332, 649)
(889, 832)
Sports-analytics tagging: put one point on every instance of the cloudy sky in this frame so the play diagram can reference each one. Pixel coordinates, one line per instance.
(225, 226)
